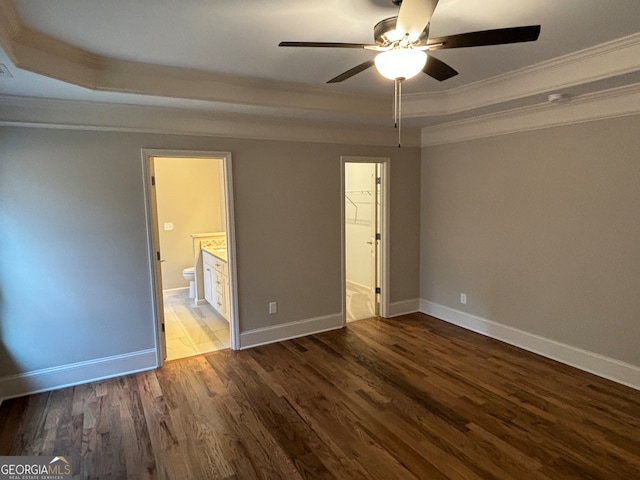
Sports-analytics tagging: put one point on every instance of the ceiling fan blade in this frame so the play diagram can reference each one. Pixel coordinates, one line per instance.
(487, 37)
(414, 16)
(325, 44)
(354, 71)
(438, 69)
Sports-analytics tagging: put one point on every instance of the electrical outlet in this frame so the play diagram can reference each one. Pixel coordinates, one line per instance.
(273, 308)
(463, 298)
(168, 226)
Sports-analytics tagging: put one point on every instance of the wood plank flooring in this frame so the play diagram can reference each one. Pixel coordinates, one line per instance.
(406, 398)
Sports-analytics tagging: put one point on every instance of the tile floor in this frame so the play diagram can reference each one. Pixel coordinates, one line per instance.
(360, 303)
(192, 330)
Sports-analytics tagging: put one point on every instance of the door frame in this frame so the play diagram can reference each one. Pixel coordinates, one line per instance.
(153, 242)
(383, 261)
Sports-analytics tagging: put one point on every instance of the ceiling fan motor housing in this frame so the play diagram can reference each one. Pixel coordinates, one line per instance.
(384, 27)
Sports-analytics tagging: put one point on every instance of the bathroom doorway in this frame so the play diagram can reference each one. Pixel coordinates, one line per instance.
(365, 237)
(190, 224)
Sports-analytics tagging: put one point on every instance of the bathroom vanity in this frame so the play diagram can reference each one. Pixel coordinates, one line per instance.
(216, 279)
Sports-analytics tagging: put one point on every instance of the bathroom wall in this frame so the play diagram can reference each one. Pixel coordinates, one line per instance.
(190, 195)
(75, 288)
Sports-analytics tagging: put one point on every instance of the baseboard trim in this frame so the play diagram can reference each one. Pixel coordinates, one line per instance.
(603, 366)
(403, 308)
(76, 373)
(358, 286)
(287, 331)
(177, 289)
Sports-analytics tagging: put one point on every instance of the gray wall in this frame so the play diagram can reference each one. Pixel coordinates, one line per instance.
(74, 273)
(541, 230)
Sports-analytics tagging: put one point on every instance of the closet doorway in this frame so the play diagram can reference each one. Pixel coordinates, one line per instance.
(365, 228)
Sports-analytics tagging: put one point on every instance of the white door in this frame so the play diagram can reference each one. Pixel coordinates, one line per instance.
(159, 303)
(375, 236)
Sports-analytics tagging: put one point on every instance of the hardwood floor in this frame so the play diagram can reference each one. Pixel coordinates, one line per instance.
(406, 398)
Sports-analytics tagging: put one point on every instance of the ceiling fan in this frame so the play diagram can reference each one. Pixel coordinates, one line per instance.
(401, 43)
(403, 40)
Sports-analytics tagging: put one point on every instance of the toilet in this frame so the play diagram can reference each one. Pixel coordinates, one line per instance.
(190, 274)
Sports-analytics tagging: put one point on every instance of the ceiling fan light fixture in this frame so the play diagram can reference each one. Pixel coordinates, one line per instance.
(393, 35)
(404, 63)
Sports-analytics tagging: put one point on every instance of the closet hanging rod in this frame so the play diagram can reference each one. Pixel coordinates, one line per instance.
(354, 205)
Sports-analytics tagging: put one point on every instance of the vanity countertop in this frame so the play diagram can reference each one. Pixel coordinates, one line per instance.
(220, 252)
(208, 235)
(216, 246)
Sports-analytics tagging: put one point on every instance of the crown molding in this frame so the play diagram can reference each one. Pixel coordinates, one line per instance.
(81, 115)
(37, 52)
(148, 79)
(617, 102)
(607, 60)
(34, 51)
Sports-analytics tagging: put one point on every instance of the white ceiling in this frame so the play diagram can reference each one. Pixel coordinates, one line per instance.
(240, 38)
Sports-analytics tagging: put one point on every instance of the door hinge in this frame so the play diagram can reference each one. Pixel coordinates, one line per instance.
(378, 290)
(378, 180)
(153, 180)
(378, 236)
(158, 255)
(163, 328)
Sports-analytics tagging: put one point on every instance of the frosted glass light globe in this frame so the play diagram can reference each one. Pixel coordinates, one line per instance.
(400, 63)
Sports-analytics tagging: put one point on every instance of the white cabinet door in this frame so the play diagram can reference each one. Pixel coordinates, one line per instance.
(219, 293)
(216, 284)
(208, 283)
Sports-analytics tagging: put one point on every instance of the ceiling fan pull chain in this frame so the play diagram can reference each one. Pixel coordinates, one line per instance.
(395, 103)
